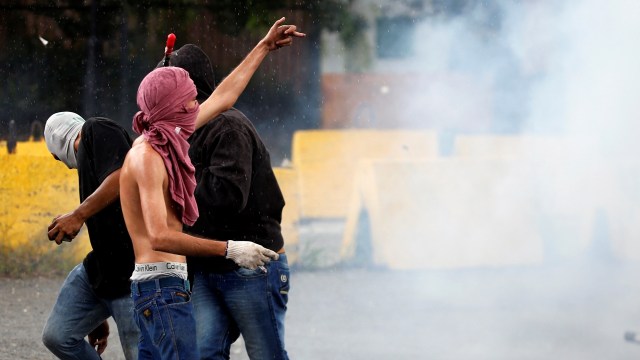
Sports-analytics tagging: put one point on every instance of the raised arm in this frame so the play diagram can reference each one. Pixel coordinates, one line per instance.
(229, 90)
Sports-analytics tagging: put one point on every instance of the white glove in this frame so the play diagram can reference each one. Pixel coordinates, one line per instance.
(248, 254)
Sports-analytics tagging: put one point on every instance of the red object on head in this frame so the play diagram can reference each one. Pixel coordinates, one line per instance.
(171, 40)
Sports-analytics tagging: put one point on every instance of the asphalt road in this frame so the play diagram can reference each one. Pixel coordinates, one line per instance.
(579, 311)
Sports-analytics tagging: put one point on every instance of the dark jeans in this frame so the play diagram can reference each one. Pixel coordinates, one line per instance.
(248, 302)
(164, 314)
(78, 310)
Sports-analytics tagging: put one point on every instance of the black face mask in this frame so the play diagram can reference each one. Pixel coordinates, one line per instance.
(191, 58)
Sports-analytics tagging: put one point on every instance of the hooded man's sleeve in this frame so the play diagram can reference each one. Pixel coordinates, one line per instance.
(226, 178)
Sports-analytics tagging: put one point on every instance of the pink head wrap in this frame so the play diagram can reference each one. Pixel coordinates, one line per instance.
(166, 124)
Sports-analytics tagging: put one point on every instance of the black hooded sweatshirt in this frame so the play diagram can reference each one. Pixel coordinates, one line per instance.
(237, 192)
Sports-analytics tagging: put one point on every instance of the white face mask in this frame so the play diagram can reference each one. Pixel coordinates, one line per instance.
(60, 134)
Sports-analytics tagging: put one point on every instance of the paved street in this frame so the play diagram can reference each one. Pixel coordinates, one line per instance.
(578, 311)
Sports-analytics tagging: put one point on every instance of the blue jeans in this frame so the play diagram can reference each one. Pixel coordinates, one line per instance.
(248, 302)
(164, 314)
(78, 310)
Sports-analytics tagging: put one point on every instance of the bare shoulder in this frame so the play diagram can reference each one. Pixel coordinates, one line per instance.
(143, 161)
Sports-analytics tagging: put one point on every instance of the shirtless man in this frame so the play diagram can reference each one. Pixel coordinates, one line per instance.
(157, 183)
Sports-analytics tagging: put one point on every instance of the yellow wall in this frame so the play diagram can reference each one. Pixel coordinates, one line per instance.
(30, 148)
(34, 188)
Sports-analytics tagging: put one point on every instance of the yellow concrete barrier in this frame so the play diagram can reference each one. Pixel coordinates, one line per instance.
(564, 186)
(508, 146)
(288, 181)
(620, 199)
(446, 214)
(326, 161)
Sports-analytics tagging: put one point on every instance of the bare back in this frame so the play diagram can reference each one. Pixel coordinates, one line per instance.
(145, 200)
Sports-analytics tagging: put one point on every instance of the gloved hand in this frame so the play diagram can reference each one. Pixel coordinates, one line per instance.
(249, 255)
